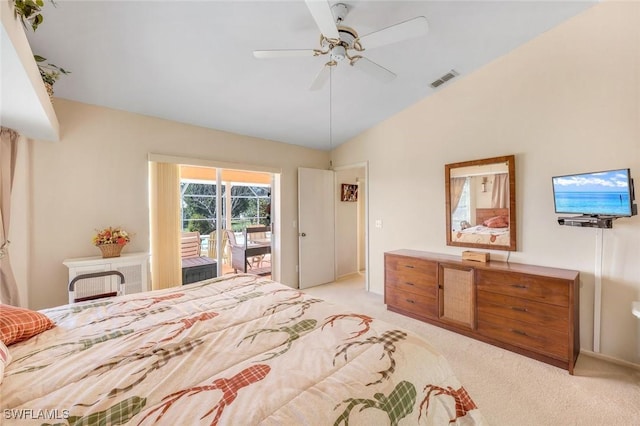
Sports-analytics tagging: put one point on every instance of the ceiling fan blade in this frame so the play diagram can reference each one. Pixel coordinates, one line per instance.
(412, 28)
(321, 78)
(321, 12)
(284, 53)
(376, 71)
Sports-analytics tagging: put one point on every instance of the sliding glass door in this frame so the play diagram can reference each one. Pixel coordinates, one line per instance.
(214, 201)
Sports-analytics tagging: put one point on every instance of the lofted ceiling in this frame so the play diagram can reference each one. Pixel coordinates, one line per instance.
(192, 62)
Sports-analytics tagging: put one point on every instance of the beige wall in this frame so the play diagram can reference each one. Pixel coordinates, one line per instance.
(97, 176)
(569, 101)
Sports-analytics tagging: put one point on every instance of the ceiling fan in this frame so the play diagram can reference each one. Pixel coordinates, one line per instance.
(342, 43)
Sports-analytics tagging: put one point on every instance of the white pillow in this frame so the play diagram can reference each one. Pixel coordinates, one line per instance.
(5, 358)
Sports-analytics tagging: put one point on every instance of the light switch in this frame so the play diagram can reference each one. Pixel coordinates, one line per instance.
(378, 223)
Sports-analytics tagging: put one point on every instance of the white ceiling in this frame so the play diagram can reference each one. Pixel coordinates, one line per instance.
(192, 62)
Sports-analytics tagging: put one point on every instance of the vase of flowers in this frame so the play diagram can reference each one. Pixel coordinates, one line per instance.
(111, 241)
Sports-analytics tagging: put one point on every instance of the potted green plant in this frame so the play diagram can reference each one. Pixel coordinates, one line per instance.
(50, 73)
(29, 12)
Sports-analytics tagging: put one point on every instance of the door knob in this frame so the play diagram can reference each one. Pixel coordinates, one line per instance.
(302, 234)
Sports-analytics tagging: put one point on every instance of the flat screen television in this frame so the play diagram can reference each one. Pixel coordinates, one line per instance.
(607, 193)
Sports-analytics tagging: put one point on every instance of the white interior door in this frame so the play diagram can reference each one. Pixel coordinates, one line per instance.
(316, 227)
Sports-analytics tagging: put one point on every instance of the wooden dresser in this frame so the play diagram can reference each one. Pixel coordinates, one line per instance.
(531, 310)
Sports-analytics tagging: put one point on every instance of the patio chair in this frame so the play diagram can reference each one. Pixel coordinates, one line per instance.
(195, 267)
(238, 260)
(213, 241)
(258, 233)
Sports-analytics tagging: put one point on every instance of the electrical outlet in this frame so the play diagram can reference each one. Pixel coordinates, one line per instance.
(378, 223)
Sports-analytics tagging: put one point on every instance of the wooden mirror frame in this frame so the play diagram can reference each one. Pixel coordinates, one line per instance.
(511, 167)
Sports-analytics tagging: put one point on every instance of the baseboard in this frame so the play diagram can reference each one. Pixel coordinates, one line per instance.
(347, 276)
(610, 359)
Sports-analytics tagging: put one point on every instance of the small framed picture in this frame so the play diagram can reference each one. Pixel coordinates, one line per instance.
(349, 192)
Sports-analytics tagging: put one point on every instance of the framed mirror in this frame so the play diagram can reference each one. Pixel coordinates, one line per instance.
(481, 203)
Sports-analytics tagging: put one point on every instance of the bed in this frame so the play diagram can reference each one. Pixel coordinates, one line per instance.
(497, 233)
(238, 349)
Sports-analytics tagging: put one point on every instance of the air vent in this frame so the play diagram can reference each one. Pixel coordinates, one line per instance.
(442, 80)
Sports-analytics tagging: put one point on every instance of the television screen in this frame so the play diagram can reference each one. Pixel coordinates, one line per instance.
(608, 193)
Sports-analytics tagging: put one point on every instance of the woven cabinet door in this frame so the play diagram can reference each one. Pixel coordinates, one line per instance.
(456, 295)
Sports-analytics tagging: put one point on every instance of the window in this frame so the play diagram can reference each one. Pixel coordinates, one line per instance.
(198, 206)
(462, 213)
(250, 205)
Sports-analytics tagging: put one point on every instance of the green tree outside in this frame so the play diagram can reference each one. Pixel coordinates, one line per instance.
(249, 206)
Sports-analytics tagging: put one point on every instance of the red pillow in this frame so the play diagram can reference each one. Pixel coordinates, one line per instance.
(496, 222)
(18, 324)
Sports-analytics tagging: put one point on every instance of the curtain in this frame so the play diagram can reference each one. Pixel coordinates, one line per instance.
(456, 187)
(8, 152)
(500, 191)
(166, 266)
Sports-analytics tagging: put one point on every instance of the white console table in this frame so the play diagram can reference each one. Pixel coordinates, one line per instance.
(134, 267)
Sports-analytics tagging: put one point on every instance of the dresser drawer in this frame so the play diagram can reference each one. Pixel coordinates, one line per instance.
(411, 267)
(542, 315)
(538, 288)
(417, 304)
(521, 334)
(415, 286)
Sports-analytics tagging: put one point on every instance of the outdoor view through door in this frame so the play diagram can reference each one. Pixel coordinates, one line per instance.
(245, 203)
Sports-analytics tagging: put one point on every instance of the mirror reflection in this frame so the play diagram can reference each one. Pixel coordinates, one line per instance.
(481, 203)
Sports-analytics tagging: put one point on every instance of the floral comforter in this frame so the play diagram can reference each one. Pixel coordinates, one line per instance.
(233, 350)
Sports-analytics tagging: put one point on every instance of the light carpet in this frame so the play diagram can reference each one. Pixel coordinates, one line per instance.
(511, 389)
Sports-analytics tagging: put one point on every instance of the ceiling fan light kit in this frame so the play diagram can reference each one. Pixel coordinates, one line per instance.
(341, 42)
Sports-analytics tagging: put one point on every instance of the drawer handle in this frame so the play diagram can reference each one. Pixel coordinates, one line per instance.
(518, 308)
(518, 286)
(408, 283)
(520, 332)
(411, 301)
(409, 266)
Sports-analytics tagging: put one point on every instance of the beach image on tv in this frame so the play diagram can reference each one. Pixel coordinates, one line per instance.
(602, 193)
